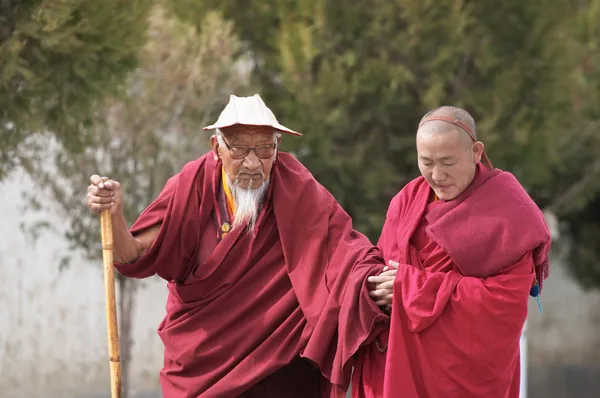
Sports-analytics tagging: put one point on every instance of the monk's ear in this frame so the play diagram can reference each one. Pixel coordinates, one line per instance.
(214, 143)
(478, 149)
(278, 140)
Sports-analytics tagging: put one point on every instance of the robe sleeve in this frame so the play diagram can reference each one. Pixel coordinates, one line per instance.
(155, 214)
(170, 253)
(361, 320)
(496, 301)
(335, 300)
(471, 326)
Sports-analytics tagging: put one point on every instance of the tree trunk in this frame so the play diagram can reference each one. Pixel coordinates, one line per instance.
(127, 289)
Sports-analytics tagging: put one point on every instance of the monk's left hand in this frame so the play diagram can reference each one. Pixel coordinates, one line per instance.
(382, 286)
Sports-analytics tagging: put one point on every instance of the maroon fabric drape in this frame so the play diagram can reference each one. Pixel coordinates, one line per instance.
(296, 287)
(461, 292)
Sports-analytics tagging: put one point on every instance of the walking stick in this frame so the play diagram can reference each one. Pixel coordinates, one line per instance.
(111, 305)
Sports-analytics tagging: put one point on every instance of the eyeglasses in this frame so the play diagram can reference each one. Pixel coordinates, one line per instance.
(241, 151)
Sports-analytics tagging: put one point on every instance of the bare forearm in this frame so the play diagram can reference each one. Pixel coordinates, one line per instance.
(127, 248)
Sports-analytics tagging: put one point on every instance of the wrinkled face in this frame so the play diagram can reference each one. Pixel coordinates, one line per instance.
(251, 170)
(447, 158)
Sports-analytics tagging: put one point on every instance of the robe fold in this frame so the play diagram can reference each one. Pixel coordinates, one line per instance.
(244, 310)
(460, 294)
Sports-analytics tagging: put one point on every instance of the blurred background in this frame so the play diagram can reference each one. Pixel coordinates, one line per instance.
(122, 88)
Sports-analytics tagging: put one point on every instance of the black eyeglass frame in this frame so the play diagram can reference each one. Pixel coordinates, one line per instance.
(246, 150)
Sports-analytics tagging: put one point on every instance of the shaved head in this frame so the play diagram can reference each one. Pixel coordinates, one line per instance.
(448, 150)
(440, 126)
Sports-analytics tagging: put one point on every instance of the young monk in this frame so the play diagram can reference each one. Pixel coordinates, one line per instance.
(470, 246)
(267, 280)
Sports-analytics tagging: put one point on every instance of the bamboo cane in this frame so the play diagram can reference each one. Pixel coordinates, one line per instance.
(111, 305)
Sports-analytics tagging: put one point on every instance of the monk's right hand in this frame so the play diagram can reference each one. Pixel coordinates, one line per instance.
(381, 287)
(103, 194)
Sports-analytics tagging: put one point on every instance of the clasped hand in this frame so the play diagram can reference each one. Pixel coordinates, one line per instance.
(381, 287)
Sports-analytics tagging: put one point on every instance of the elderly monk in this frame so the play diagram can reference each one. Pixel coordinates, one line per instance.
(267, 279)
(469, 246)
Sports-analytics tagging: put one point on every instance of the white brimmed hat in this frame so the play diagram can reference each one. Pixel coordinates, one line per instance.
(249, 111)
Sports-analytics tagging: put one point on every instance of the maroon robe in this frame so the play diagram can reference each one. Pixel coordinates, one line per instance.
(241, 313)
(461, 292)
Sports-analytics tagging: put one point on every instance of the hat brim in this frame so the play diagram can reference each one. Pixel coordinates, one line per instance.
(276, 126)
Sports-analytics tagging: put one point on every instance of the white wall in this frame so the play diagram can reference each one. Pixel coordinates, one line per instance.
(568, 329)
(53, 338)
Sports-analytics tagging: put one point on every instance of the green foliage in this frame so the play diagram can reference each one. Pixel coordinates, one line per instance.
(577, 182)
(145, 137)
(356, 77)
(57, 59)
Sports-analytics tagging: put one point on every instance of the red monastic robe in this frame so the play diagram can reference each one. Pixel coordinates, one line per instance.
(241, 313)
(461, 292)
